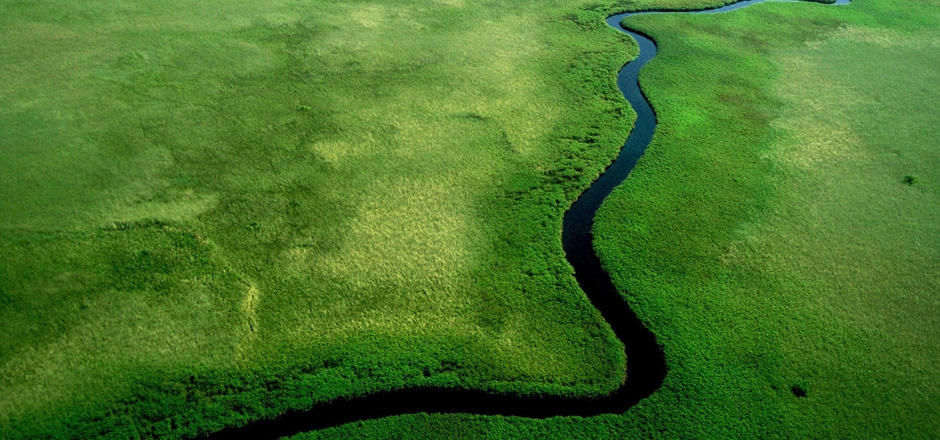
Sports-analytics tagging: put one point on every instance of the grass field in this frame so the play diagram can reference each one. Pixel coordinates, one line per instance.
(800, 258)
(211, 212)
(771, 237)
(214, 211)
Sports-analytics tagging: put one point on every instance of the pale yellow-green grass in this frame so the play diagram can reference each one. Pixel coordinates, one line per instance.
(366, 195)
(860, 245)
(769, 237)
(779, 236)
(235, 199)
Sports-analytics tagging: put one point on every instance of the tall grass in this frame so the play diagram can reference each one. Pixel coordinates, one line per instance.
(768, 237)
(212, 212)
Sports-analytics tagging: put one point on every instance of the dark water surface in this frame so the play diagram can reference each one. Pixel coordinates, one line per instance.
(646, 366)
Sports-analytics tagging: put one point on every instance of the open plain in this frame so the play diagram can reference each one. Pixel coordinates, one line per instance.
(214, 213)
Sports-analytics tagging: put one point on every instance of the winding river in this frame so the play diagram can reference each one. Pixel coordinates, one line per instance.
(646, 366)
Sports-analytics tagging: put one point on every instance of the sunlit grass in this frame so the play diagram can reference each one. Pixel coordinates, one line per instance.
(770, 236)
(335, 197)
(793, 286)
(213, 212)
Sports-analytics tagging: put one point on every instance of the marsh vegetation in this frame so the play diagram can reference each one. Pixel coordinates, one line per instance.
(213, 212)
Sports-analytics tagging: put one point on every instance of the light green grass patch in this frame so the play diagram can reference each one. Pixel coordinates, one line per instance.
(770, 236)
(374, 189)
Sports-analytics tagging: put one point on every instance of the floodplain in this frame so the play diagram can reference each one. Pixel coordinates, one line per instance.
(214, 212)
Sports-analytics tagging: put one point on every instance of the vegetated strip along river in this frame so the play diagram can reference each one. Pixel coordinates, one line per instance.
(646, 366)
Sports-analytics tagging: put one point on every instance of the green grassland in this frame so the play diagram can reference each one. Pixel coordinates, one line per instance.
(799, 258)
(211, 212)
(770, 236)
(214, 211)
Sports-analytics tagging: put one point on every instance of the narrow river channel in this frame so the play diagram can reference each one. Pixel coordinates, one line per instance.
(646, 366)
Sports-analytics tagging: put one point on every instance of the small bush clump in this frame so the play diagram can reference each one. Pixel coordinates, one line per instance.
(799, 390)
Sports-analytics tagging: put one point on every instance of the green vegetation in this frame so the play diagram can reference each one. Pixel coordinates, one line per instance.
(768, 238)
(798, 265)
(211, 212)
